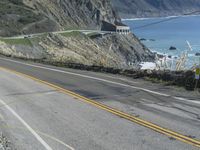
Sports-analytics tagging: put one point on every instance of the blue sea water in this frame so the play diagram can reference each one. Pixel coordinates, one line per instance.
(174, 32)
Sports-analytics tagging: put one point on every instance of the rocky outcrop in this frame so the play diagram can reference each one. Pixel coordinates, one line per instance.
(79, 13)
(154, 8)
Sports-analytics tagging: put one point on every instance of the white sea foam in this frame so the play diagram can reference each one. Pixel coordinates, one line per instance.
(191, 55)
(175, 33)
(148, 65)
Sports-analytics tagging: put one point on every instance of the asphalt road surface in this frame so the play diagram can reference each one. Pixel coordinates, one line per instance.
(40, 111)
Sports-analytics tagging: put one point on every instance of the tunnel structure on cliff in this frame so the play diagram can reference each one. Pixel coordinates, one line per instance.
(116, 27)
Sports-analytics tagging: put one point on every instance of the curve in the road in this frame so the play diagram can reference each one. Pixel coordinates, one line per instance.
(114, 111)
(90, 77)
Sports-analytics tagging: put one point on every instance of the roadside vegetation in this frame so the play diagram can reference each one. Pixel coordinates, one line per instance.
(73, 33)
(24, 41)
(93, 34)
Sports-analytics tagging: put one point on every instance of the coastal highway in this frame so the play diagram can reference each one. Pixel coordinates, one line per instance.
(45, 107)
(57, 32)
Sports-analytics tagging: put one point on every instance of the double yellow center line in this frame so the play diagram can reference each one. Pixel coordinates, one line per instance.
(114, 111)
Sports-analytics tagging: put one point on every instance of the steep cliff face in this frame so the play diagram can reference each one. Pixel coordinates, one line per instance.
(30, 16)
(70, 13)
(154, 8)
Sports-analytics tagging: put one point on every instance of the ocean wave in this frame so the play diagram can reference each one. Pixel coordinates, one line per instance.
(191, 55)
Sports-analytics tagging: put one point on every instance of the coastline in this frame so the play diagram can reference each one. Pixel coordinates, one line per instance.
(172, 37)
(148, 18)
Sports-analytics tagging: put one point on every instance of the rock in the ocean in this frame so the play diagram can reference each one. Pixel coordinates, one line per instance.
(143, 39)
(169, 56)
(197, 54)
(172, 48)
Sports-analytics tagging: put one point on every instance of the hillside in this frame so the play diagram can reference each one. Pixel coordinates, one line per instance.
(112, 50)
(154, 8)
(35, 16)
(31, 16)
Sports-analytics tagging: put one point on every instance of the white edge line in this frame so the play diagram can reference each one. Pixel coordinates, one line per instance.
(57, 140)
(112, 77)
(47, 147)
(89, 77)
(186, 100)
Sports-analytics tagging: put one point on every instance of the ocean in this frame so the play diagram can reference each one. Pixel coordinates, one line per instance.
(159, 37)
